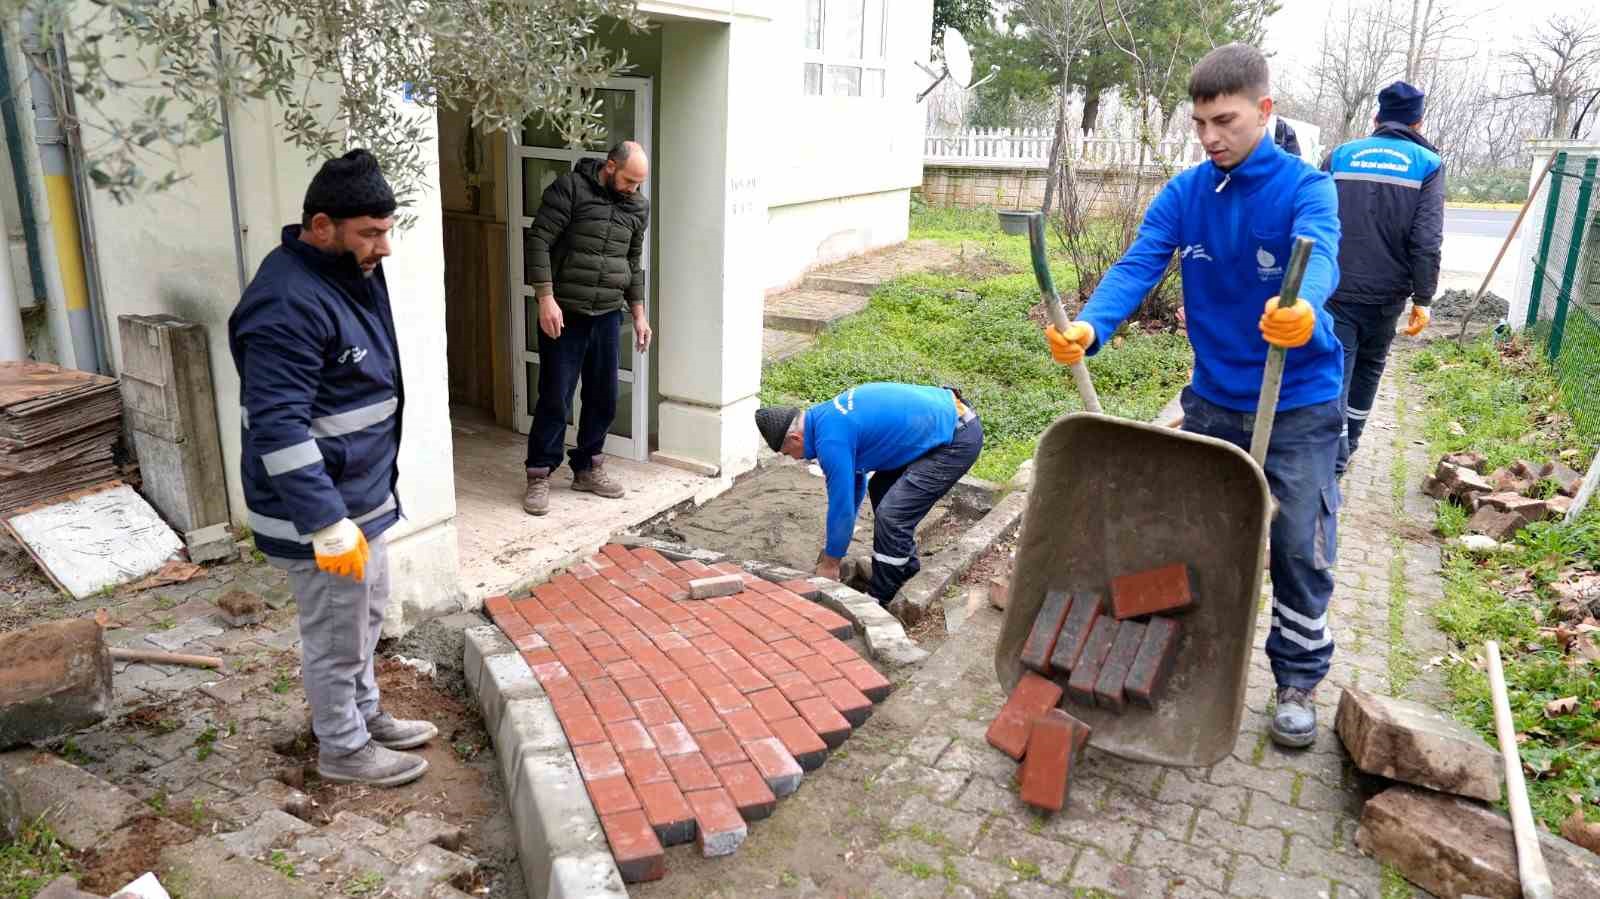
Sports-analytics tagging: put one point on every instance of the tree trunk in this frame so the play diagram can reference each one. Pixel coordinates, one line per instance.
(1091, 108)
(1057, 147)
(1562, 108)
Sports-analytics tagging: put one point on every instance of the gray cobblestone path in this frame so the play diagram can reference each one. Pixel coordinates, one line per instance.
(919, 805)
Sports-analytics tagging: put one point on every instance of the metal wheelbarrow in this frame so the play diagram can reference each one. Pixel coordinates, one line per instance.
(1113, 496)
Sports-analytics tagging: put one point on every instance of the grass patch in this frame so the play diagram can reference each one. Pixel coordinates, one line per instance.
(30, 862)
(1506, 404)
(975, 333)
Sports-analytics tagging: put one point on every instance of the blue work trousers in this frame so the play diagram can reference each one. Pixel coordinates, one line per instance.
(1366, 330)
(1304, 535)
(902, 497)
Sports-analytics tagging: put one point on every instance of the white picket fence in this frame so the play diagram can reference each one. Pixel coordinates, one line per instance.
(1030, 148)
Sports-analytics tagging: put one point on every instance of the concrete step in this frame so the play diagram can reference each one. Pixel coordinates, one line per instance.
(861, 285)
(811, 311)
(777, 345)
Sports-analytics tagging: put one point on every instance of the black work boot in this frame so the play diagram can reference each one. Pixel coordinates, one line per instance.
(1294, 724)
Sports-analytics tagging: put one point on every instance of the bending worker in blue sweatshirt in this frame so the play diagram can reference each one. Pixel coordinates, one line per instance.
(916, 442)
(1231, 220)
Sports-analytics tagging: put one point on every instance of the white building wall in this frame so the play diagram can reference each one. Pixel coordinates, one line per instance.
(802, 236)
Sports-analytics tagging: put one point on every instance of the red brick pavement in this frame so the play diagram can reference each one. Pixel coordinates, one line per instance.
(683, 710)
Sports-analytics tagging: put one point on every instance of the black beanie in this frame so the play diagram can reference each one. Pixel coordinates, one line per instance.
(773, 423)
(350, 187)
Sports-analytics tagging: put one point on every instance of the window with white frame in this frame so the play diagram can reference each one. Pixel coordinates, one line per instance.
(845, 48)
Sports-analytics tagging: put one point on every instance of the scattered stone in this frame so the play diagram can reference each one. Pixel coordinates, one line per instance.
(1523, 470)
(1410, 742)
(1473, 461)
(1558, 506)
(1451, 846)
(1032, 697)
(207, 868)
(999, 591)
(1479, 543)
(721, 585)
(1495, 524)
(188, 632)
(55, 678)
(241, 609)
(1435, 488)
(1507, 481)
(210, 544)
(1462, 481)
(63, 887)
(1567, 480)
(1527, 509)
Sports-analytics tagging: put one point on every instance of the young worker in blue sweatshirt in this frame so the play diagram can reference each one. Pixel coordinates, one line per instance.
(1231, 220)
(915, 441)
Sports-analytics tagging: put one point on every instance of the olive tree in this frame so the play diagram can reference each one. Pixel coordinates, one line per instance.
(152, 78)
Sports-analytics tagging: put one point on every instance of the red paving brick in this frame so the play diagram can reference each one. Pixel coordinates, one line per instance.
(1153, 663)
(688, 718)
(1087, 670)
(748, 789)
(635, 846)
(1047, 767)
(1151, 592)
(1032, 697)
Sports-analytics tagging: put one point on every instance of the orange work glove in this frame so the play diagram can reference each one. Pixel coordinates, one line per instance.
(1068, 348)
(342, 550)
(1420, 316)
(1288, 328)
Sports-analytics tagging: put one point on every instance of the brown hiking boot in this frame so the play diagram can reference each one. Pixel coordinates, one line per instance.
(537, 499)
(595, 480)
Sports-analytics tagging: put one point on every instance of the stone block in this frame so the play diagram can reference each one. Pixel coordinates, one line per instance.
(1410, 742)
(1075, 632)
(1164, 589)
(777, 766)
(526, 726)
(1494, 523)
(1086, 671)
(1462, 481)
(721, 585)
(1435, 488)
(634, 846)
(1473, 461)
(588, 875)
(505, 678)
(482, 642)
(1453, 847)
(721, 828)
(748, 790)
(1567, 480)
(207, 868)
(263, 833)
(1527, 509)
(1504, 480)
(55, 678)
(430, 866)
(241, 609)
(1047, 767)
(210, 544)
(668, 812)
(554, 819)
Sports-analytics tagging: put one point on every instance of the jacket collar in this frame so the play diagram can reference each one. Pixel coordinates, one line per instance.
(1261, 163)
(340, 268)
(1404, 132)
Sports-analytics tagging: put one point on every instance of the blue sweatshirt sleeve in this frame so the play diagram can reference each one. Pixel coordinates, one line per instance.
(845, 489)
(1133, 277)
(1316, 215)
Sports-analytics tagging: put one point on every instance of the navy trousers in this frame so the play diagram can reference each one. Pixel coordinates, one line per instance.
(1304, 535)
(901, 498)
(587, 348)
(1366, 330)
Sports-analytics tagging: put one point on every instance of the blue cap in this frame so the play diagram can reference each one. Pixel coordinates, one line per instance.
(1400, 102)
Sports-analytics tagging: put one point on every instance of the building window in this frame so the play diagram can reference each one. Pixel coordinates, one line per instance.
(845, 48)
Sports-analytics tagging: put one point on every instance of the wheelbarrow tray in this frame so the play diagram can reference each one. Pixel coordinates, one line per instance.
(1112, 497)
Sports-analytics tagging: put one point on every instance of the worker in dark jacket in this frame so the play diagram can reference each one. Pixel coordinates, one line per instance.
(1391, 210)
(319, 380)
(584, 262)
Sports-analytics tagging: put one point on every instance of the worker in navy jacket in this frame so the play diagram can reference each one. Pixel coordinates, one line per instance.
(914, 442)
(1232, 221)
(1391, 209)
(313, 340)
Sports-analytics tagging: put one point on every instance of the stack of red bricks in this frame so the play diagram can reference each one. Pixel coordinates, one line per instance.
(687, 718)
(1102, 660)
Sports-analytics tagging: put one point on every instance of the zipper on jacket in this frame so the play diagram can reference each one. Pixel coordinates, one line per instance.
(1226, 177)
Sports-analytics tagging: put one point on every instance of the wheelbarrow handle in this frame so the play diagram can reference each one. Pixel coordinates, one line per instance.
(1272, 376)
(1057, 312)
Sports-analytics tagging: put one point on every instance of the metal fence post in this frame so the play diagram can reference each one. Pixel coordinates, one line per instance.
(1580, 224)
(1552, 201)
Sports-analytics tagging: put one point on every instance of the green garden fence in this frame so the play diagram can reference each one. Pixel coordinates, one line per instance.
(1564, 299)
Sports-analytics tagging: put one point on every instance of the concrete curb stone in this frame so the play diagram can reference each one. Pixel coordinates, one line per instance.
(922, 591)
(561, 847)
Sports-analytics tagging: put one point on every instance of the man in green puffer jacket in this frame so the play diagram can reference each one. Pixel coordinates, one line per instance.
(583, 255)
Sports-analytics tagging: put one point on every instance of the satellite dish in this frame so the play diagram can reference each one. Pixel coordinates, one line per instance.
(957, 57)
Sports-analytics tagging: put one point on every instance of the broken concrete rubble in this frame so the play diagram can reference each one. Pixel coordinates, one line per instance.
(55, 678)
(1453, 847)
(241, 609)
(1462, 481)
(1494, 523)
(1410, 742)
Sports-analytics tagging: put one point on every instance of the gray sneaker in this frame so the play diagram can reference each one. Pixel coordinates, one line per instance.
(1294, 724)
(373, 766)
(537, 500)
(399, 733)
(595, 480)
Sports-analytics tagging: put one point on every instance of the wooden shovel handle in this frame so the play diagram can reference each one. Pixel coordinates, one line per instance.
(158, 657)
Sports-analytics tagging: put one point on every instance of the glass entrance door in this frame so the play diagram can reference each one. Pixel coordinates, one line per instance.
(537, 157)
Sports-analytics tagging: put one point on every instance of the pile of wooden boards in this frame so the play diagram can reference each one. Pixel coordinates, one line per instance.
(57, 431)
(1094, 655)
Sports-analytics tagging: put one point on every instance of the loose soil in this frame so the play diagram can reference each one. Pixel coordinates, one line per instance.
(107, 869)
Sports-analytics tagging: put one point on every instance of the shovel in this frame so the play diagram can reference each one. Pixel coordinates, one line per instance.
(1113, 496)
